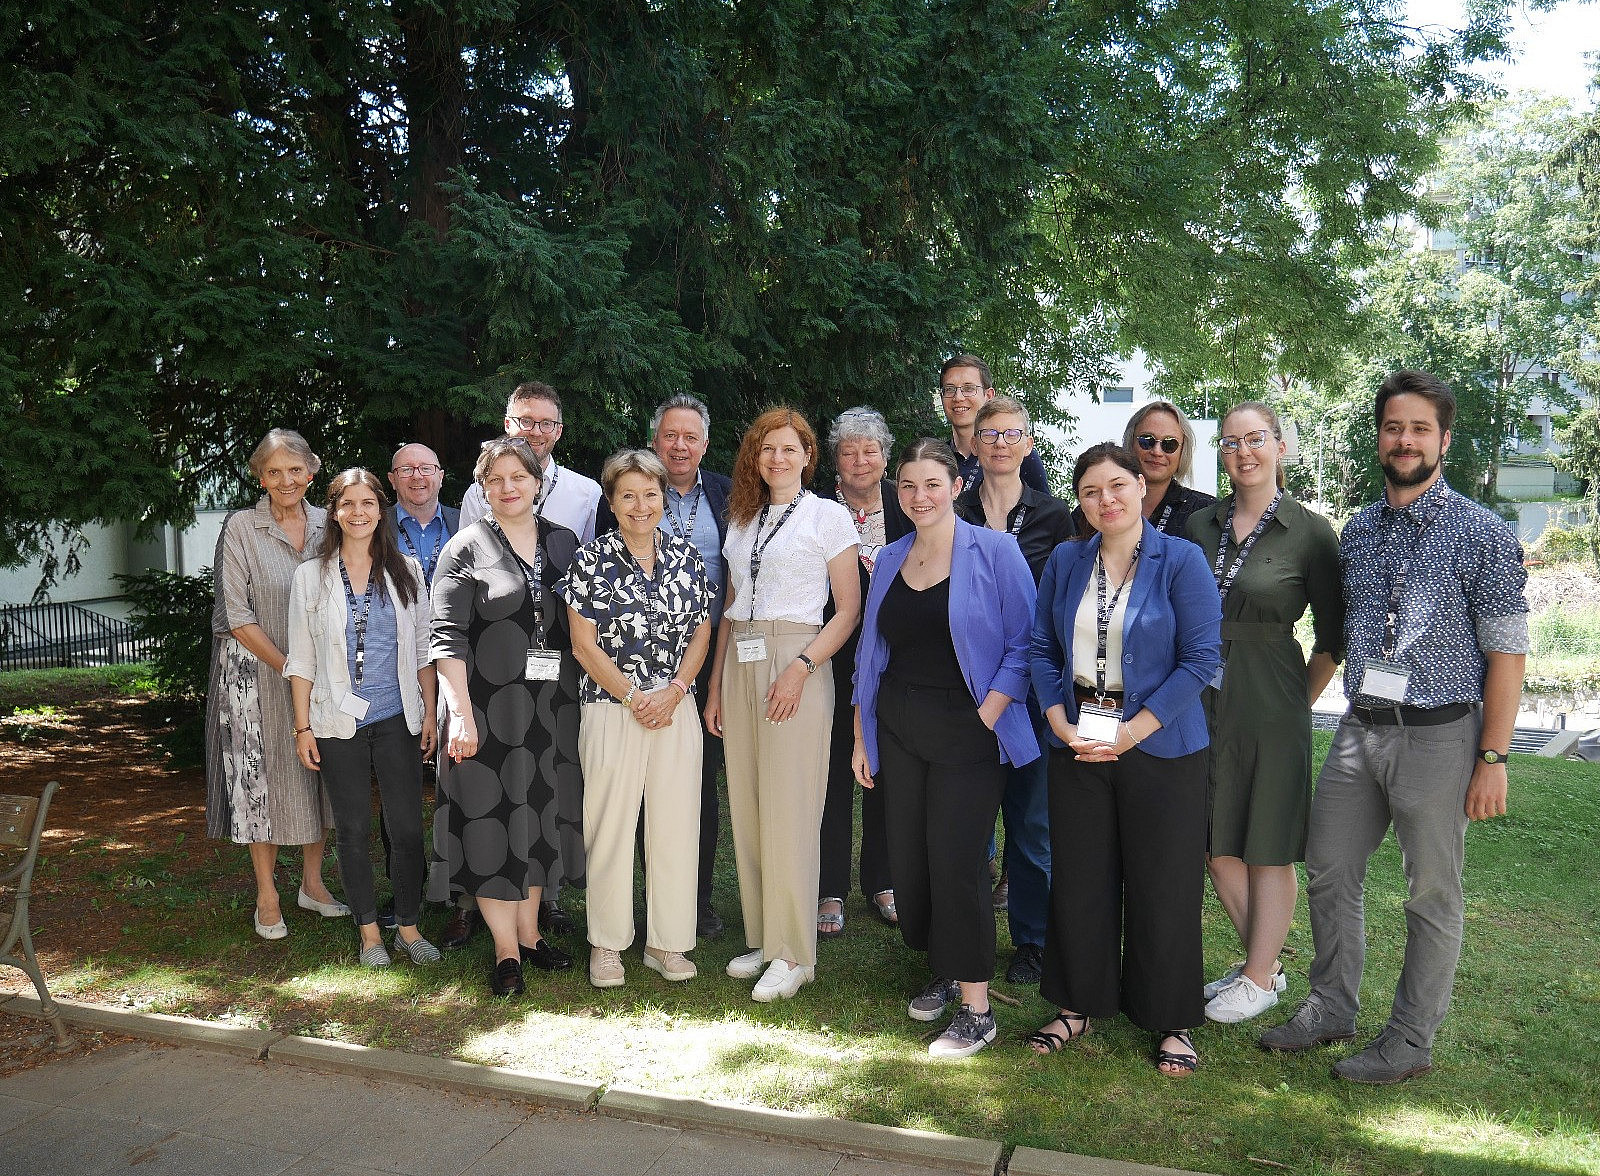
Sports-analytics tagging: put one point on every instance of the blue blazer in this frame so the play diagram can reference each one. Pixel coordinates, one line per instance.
(1171, 637)
(991, 610)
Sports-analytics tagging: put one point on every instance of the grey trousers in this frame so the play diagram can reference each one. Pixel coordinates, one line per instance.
(1415, 778)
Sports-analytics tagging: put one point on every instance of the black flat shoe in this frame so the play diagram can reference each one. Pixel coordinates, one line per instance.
(555, 921)
(546, 956)
(506, 979)
(707, 924)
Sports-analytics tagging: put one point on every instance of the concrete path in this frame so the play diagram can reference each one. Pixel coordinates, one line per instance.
(155, 1109)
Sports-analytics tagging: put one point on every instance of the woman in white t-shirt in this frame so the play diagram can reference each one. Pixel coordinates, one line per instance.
(771, 689)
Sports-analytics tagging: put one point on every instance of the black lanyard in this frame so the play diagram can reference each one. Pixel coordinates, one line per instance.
(547, 486)
(679, 528)
(431, 561)
(1397, 580)
(359, 618)
(534, 578)
(1016, 523)
(1103, 611)
(1225, 579)
(645, 584)
(1166, 517)
(758, 547)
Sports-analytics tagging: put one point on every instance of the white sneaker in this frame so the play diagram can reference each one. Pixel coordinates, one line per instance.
(1209, 992)
(781, 981)
(746, 966)
(1240, 1001)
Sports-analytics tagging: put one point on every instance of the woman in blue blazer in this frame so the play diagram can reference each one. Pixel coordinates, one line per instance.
(1125, 638)
(941, 679)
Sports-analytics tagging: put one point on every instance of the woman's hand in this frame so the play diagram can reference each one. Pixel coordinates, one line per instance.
(430, 735)
(713, 710)
(992, 707)
(305, 746)
(783, 696)
(859, 764)
(463, 737)
(655, 709)
(1092, 751)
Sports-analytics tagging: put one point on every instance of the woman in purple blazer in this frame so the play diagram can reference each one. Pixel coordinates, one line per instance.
(941, 684)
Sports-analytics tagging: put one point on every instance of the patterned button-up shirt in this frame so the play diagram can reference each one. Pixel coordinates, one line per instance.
(643, 626)
(1463, 595)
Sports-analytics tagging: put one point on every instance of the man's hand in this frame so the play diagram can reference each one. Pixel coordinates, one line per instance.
(1486, 794)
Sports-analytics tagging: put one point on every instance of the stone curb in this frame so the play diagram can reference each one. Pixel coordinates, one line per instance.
(1031, 1161)
(250, 1043)
(977, 1156)
(424, 1070)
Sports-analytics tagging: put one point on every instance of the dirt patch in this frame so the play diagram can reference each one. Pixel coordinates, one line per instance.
(1570, 585)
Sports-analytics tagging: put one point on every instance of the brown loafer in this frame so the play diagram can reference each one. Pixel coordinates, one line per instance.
(463, 925)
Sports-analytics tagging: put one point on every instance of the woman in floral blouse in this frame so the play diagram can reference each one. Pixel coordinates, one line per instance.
(639, 605)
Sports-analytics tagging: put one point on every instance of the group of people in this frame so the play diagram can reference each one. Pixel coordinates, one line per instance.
(1119, 684)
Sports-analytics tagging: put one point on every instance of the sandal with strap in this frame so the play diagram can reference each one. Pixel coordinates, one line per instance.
(1176, 1065)
(1045, 1042)
(886, 910)
(830, 925)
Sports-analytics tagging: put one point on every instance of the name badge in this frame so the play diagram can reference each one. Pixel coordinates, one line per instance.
(1098, 723)
(1385, 680)
(751, 649)
(544, 665)
(354, 705)
(1216, 678)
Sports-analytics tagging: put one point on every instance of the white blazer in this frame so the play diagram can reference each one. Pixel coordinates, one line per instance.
(318, 614)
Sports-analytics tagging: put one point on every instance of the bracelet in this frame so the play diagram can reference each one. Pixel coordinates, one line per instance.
(811, 666)
(299, 731)
(1134, 742)
(681, 685)
(627, 699)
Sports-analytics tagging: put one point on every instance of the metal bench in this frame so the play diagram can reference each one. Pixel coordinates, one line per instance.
(21, 826)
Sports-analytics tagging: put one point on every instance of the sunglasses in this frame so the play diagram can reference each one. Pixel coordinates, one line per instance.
(1148, 441)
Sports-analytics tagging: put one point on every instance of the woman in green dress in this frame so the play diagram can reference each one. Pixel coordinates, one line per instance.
(1271, 557)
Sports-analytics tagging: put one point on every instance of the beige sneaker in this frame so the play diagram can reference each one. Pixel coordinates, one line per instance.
(673, 965)
(605, 968)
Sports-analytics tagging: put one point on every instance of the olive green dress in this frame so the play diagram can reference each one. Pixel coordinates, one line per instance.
(1261, 718)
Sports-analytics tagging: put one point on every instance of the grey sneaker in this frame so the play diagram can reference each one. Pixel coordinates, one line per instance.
(929, 1004)
(1309, 1027)
(967, 1033)
(1388, 1058)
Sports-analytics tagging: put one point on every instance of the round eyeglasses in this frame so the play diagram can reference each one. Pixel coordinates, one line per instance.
(1255, 439)
(995, 436)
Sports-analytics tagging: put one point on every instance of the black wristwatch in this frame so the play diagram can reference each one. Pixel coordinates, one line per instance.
(811, 666)
(1490, 756)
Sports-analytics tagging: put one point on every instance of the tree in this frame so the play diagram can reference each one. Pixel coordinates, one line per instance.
(1580, 444)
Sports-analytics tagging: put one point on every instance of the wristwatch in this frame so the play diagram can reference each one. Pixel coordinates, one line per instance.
(1490, 756)
(811, 666)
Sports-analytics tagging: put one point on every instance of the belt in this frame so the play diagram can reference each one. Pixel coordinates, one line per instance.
(1412, 716)
(1086, 694)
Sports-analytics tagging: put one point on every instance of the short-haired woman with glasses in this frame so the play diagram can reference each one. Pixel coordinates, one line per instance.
(1160, 436)
(1271, 558)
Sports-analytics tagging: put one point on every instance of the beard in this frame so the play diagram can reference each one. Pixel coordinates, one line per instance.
(1421, 474)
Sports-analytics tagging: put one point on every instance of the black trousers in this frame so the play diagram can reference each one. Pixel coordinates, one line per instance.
(389, 751)
(942, 780)
(838, 812)
(1128, 843)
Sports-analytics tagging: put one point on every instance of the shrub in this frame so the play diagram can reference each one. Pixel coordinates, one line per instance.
(1562, 632)
(173, 613)
(1562, 545)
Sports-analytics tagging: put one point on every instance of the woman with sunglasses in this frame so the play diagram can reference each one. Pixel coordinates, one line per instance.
(1160, 436)
(1271, 557)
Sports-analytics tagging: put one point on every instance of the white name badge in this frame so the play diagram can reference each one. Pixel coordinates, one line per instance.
(544, 665)
(1385, 680)
(1216, 678)
(354, 705)
(1098, 723)
(751, 649)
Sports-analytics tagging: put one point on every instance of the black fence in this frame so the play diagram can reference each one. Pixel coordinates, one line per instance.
(43, 636)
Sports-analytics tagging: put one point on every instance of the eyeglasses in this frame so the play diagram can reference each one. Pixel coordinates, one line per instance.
(529, 425)
(968, 391)
(994, 436)
(1148, 441)
(406, 471)
(1255, 440)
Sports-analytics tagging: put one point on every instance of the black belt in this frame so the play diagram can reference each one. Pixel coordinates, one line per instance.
(1087, 694)
(1412, 716)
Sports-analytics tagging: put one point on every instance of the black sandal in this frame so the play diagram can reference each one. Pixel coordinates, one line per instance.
(1045, 1042)
(1185, 1064)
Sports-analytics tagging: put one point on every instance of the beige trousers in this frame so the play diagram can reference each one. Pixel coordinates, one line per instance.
(777, 781)
(624, 764)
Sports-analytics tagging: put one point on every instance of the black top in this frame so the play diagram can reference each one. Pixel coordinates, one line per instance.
(1171, 515)
(916, 627)
(1045, 522)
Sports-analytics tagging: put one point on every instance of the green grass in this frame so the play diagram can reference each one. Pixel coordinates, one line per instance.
(1515, 1090)
(31, 689)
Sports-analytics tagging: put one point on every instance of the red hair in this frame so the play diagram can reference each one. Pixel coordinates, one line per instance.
(749, 493)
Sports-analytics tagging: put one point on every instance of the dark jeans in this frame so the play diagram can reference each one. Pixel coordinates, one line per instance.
(390, 751)
(1026, 812)
(838, 812)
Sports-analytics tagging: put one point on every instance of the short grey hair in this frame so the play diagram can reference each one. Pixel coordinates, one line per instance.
(500, 447)
(1186, 460)
(631, 461)
(860, 424)
(1007, 405)
(680, 400)
(277, 439)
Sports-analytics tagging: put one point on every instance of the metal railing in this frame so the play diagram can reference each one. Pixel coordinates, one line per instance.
(43, 636)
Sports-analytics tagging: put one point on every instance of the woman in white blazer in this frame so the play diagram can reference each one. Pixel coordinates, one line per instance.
(364, 694)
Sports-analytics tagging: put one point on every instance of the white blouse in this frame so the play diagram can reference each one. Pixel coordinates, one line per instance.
(1086, 636)
(793, 585)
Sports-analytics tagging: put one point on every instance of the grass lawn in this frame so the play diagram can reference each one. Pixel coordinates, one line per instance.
(1515, 1089)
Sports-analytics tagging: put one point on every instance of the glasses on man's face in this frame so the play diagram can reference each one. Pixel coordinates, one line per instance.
(1254, 439)
(964, 391)
(407, 471)
(995, 436)
(1149, 441)
(529, 425)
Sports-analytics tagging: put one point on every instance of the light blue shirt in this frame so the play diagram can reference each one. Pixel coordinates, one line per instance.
(380, 679)
(705, 536)
(423, 544)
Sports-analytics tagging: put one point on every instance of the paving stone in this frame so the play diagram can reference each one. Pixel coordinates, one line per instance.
(424, 1137)
(299, 1109)
(719, 1155)
(19, 1110)
(861, 1166)
(71, 1141)
(314, 1166)
(61, 1081)
(576, 1144)
(180, 1153)
(173, 1088)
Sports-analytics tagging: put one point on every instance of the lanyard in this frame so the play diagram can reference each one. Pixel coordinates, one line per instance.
(431, 560)
(547, 487)
(1166, 517)
(679, 528)
(360, 618)
(1225, 579)
(1397, 580)
(1016, 523)
(1103, 611)
(645, 584)
(533, 577)
(758, 547)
